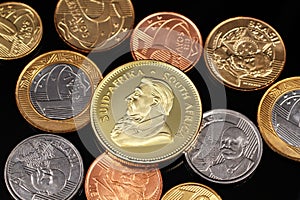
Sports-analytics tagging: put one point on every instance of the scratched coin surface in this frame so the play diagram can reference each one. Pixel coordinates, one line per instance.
(146, 111)
(169, 37)
(44, 166)
(279, 116)
(245, 53)
(88, 25)
(191, 191)
(107, 178)
(21, 30)
(228, 147)
(54, 90)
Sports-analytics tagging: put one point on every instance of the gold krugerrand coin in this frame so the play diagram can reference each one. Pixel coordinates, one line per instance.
(244, 53)
(54, 90)
(279, 117)
(93, 25)
(20, 30)
(146, 112)
(191, 191)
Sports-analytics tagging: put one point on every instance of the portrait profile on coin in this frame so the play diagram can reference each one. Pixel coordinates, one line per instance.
(231, 162)
(144, 123)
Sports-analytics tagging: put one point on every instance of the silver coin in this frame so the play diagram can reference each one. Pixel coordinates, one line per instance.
(228, 147)
(44, 166)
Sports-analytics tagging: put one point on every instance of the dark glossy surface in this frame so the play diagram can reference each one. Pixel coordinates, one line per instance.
(275, 178)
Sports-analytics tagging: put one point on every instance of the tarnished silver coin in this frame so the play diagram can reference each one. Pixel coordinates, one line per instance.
(228, 147)
(44, 166)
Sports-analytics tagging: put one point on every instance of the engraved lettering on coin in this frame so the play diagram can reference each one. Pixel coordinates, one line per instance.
(168, 37)
(245, 53)
(228, 148)
(107, 177)
(145, 121)
(99, 25)
(286, 117)
(20, 30)
(44, 167)
(60, 91)
(146, 111)
(191, 191)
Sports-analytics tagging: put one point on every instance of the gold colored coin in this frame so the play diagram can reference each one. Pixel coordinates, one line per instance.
(54, 90)
(94, 25)
(279, 117)
(245, 53)
(146, 112)
(191, 191)
(20, 30)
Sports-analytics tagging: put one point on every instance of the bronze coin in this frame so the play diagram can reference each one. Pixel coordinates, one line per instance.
(169, 37)
(20, 30)
(94, 25)
(54, 90)
(279, 117)
(244, 53)
(111, 179)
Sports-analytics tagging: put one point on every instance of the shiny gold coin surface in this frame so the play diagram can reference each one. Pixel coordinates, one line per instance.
(191, 191)
(54, 90)
(279, 117)
(245, 53)
(20, 30)
(94, 25)
(146, 112)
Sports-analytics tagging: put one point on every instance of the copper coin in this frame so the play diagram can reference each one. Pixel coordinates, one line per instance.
(88, 25)
(244, 53)
(191, 191)
(169, 37)
(279, 117)
(111, 179)
(54, 90)
(20, 30)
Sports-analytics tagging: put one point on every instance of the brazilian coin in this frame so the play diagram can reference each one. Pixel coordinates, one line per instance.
(54, 90)
(94, 25)
(191, 191)
(107, 177)
(169, 37)
(20, 30)
(244, 53)
(44, 166)
(278, 117)
(146, 112)
(228, 148)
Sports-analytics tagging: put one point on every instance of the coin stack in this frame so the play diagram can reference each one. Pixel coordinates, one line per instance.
(147, 113)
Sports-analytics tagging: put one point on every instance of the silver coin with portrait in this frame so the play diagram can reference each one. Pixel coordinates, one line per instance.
(228, 147)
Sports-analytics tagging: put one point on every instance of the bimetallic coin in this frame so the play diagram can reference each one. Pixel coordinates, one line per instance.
(244, 53)
(109, 178)
(169, 37)
(44, 166)
(54, 91)
(146, 111)
(278, 117)
(191, 191)
(94, 25)
(228, 147)
(20, 30)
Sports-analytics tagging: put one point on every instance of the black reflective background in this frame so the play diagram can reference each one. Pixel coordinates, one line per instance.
(276, 177)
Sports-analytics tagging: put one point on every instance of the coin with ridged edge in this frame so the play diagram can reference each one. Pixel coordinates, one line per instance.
(191, 190)
(278, 117)
(54, 90)
(21, 30)
(146, 112)
(245, 53)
